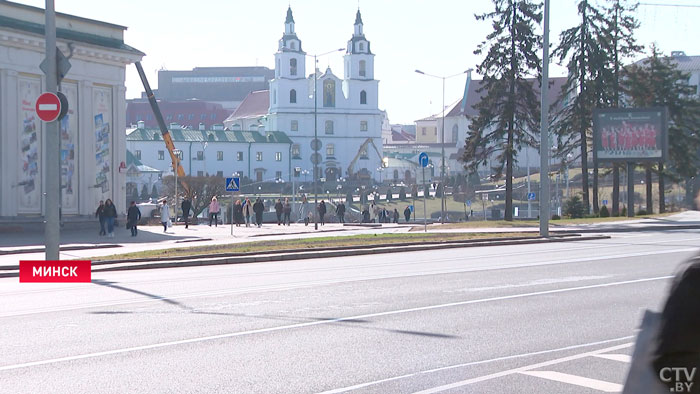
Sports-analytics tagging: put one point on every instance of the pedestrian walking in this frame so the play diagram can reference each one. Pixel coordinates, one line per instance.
(322, 212)
(407, 213)
(110, 213)
(365, 215)
(258, 208)
(279, 209)
(303, 211)
(238, 213)
(214, 211)
(396, 216)
(186, 206)
(287, 212)
(133, 215)
(372, 212)
(100, 214)
(340, 211)
(165, 215)
(247, 211)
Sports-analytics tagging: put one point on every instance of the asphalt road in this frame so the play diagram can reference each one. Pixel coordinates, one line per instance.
(552, 318)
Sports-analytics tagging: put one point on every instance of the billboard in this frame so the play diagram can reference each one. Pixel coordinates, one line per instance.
(630, 134)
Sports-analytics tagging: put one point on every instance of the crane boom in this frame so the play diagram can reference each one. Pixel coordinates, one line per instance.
(364, 145)
(167, 138)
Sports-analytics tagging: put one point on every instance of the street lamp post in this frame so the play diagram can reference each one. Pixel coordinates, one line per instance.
(177, 153)
(442, 139)
(315, 146)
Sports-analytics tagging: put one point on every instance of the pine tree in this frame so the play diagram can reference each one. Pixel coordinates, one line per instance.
(657, 82)
(508, 113)
(619, 44)
(580, 48)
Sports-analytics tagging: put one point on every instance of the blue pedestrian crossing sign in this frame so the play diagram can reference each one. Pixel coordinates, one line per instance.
(469, 203)
(423, 159)
(531, 196)
(233, 184)
(605, 202)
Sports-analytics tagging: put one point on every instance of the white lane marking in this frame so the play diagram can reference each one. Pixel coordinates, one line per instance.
(48, 107)
(515, 356)
(487, 267)
(323, 322)
(537, 282)
(521, 369)
(624, 358)
(594, 384)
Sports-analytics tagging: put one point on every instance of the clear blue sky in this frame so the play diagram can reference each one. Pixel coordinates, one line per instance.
(437, 36)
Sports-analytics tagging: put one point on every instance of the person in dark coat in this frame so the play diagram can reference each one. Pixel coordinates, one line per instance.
(238, 213)
(186, 206)
(396, 216)
(287, 212)
(100, 214)
(321, 212)
(133, 215)
(407, 213)
(110, 214)
(340, 211)
(259, 208)
(279, 208)
(365, 215)
(678, 342)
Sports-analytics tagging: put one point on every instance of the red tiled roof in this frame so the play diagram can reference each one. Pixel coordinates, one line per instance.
(255, 104)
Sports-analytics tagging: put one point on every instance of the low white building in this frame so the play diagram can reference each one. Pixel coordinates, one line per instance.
(259, 156)
(93, 146)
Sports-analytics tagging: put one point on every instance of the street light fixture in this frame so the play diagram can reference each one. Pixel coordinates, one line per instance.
(315, 146)
(442, 139)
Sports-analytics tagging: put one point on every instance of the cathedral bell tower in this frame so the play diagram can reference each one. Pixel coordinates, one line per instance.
(290, 59)
(359, 60)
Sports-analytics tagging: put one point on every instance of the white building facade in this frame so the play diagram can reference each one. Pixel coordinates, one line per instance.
(93, 146)
(348, 120)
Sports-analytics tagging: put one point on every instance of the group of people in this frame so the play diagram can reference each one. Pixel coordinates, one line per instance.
(376, 214)
(245, 211)
(283, 209)
(107, 215)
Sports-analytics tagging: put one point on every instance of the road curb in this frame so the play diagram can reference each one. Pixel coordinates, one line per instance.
(124, 265)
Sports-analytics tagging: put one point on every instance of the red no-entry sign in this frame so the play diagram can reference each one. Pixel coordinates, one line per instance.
(48, 107)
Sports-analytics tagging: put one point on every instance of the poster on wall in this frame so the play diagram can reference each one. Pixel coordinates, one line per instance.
(69, 138)
(29, 177)
(103, 108)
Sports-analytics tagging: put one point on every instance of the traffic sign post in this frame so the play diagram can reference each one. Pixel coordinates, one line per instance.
(233, 185)
(531, 196)
(605, 202)
(48, 107)
(423, 161)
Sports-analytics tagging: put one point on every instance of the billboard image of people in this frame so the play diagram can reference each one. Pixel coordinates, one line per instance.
(630, 134)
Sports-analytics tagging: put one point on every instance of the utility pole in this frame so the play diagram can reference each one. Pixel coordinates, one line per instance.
(544, 129)
(52, 232)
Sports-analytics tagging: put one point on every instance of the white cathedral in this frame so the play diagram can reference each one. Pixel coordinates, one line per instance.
(348, 120)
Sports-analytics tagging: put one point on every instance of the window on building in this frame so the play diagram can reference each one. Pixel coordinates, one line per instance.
(296, 151)
(363, 97)
(161, 155)
(330, 150)
(137, 154)
(220, 155)
(363, 65)
(396, 174)
(213, 116)
(292, 64)
(253, 127)
(200, 173)
(329, 93)
(180, 117)
(363, 125)
(258, 175)
(363, 154)
(236, 126)
(329, 127)
(278, 156)
(295, 125)
(422, 131)
(455, 133)
(362, 48)
(274, 97)
(278, 175)
(148, 117)
(200, 155)
(220, 174)
(258, 156)
(239, 156)
(180, 155)
(203, 117)
(292, 96)
(190, 117)
(293, 45)
(169, 118)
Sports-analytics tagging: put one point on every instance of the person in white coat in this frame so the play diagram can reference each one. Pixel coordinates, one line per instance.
(165, 215)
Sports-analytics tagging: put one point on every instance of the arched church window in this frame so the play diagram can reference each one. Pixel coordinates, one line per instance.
(362, 46)
(363, 68)
(329, 93)
(329, 127)
(292, 96)
(363, 97)
(292, 66)
(293, 45)
(455, 133)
